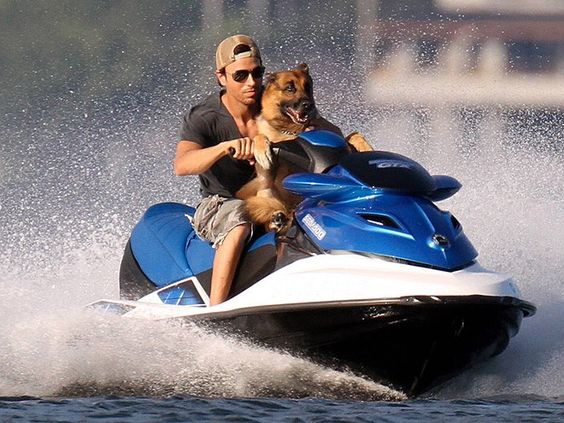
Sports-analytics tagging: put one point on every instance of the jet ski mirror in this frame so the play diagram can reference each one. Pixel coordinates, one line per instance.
(446, 186)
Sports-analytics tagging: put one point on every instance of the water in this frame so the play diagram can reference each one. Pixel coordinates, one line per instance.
(181, 409)
(76, 173)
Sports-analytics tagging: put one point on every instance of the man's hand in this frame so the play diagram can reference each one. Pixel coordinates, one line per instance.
(241, 149)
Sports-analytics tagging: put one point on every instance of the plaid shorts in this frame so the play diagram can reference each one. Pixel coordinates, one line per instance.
(216, 216)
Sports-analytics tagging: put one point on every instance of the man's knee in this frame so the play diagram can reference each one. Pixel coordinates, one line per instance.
(242, 231)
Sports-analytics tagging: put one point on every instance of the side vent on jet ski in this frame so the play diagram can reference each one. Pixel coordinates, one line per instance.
(380, 220)
(184, 293)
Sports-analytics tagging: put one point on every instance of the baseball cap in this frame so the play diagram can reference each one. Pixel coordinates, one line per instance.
(234, 48)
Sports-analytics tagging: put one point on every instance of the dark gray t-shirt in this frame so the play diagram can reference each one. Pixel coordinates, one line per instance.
(208, 124)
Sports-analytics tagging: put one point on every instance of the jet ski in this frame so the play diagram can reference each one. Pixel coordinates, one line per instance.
(371, 276)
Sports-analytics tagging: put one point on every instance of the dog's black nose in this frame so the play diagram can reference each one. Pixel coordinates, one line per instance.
(303, 105)
(306, 105)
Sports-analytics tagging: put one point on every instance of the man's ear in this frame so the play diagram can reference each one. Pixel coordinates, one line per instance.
(221, 78)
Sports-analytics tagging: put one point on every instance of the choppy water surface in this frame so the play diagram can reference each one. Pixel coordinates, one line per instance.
(180, 409)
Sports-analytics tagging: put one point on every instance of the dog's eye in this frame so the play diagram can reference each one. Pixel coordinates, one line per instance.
(291, 88)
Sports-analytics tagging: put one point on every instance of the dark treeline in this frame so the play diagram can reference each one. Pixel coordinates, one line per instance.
(90, 49)
(58, 51)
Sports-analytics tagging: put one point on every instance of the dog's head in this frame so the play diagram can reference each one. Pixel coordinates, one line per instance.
(287, 99)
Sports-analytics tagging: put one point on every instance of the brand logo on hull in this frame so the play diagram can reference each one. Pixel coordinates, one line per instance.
(385, 164)
(314, 227)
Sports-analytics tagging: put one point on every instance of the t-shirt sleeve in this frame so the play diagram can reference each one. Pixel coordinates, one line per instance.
(194, 128)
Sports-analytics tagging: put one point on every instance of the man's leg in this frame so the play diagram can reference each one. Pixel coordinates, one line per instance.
(225, 262)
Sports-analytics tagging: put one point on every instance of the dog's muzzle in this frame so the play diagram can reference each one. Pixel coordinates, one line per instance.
(301, 112)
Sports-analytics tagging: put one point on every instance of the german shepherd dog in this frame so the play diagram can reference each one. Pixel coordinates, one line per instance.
(287, 109)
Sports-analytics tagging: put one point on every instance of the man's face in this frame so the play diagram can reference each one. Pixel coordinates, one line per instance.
(239, 81)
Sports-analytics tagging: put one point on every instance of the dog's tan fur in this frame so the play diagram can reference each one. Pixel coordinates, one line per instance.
(287, 109)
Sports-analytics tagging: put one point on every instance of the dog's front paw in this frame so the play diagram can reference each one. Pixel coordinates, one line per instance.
(358, 143)
(263, 152)
(278, 221)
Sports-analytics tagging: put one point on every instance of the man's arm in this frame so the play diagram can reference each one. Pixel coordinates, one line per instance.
(193, 159)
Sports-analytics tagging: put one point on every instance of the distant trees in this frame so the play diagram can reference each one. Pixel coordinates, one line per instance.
(89, 49)
(54, 52)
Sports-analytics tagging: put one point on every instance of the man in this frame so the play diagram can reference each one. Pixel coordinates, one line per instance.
(224, 122)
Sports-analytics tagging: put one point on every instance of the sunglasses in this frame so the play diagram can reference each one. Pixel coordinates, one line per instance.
(243, 74)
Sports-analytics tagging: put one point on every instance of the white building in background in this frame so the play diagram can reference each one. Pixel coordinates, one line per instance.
(496, 65)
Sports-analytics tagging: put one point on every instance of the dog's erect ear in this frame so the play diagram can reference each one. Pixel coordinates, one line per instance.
(269, 78)
(304, 67)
